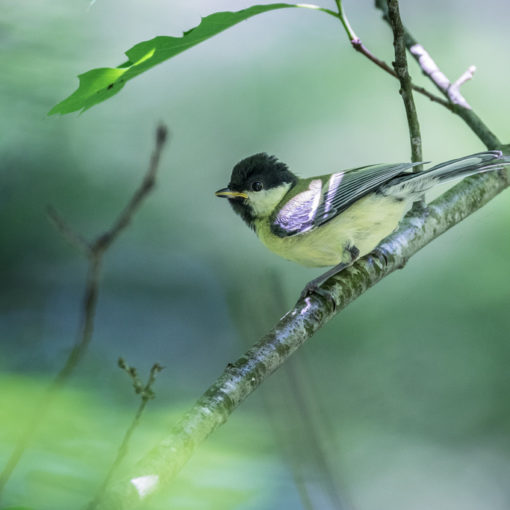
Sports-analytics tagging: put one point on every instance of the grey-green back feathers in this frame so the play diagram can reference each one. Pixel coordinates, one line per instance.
(327, 196)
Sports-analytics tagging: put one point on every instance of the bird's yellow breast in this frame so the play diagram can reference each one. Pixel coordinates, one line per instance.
(363, 225)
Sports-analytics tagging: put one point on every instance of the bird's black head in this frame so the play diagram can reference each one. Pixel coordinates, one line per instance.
(257, 185)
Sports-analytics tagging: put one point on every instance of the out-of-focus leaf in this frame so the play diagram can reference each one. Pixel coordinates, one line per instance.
(97, 85)
(18, 508)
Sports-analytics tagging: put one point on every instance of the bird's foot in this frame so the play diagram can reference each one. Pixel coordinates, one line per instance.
(313, 288)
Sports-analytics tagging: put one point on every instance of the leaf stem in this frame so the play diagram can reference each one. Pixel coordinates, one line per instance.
(345, 22)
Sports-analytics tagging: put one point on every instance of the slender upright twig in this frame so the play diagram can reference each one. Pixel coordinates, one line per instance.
(457, 103)
(146, 393)
(406, 90)
(94, 251)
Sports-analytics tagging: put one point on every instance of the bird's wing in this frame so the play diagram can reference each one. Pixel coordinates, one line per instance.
(325, 198)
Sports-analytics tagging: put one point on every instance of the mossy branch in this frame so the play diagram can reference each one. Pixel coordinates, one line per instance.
(242, 377)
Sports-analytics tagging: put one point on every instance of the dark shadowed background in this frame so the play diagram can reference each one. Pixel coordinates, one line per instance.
(400, 402)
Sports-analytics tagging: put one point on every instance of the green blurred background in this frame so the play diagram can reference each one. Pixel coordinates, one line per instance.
(401, 402)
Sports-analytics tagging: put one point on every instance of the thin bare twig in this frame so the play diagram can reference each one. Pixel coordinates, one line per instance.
(146, 393)
(454, 89)
(440, 80)
(406, 91)
(72, 237)
(457, 103)
(429, 68)
(94, 251)
(123, 220)
(358, 45)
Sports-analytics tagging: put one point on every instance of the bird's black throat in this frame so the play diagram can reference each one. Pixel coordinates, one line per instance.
(244, 210)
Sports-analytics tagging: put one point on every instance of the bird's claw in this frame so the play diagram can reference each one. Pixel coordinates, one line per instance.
(313, 288)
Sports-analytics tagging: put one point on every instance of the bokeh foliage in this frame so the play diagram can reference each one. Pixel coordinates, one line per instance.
(410, 382)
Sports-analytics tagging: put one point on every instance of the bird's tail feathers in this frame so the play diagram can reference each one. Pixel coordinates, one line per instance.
(418, 183)
(469, 165)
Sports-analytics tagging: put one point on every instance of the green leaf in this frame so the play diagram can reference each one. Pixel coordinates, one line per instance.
(97, 85)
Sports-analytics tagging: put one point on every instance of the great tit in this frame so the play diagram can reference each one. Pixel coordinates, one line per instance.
(334, 219)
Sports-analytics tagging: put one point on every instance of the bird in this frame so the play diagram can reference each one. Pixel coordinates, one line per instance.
(334, 219)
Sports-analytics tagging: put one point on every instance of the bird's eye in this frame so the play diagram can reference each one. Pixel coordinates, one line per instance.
(257, 186)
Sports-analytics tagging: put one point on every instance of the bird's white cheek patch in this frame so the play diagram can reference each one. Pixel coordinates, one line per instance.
(263, 202)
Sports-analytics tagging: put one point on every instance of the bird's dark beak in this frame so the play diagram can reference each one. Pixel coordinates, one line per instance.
(227, 193)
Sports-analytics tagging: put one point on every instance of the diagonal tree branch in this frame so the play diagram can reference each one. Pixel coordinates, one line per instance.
(105, 240)
(241, 378)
